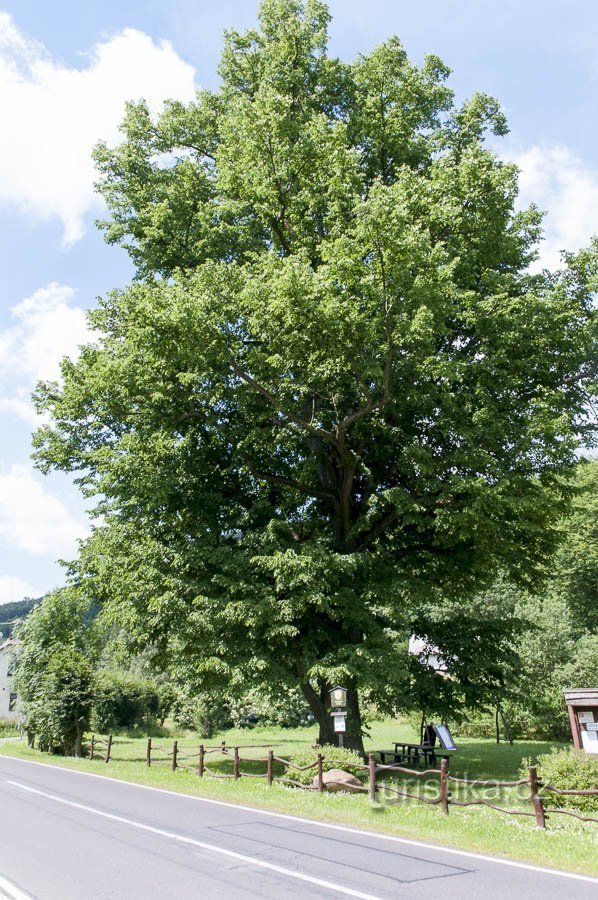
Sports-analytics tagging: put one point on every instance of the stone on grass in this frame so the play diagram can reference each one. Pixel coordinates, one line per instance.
(337, 780)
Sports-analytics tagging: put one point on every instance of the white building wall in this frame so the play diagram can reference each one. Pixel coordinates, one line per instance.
(7, 690)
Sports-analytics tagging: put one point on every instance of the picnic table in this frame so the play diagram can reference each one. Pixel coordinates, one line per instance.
(407, 754)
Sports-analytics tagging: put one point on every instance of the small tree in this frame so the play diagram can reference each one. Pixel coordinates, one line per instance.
(60, 710)
(53, 674)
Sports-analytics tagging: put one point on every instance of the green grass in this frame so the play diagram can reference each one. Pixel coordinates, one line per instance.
(567, 843)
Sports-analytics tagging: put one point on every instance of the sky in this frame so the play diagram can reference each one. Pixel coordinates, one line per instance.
(66, 70)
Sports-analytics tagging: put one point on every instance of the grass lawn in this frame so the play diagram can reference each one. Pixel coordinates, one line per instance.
(567, 843)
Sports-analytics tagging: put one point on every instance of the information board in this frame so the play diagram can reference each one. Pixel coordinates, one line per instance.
(445, 737)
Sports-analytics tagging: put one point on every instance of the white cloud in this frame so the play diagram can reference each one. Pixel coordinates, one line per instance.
(45, 327)
(53, 115)
(558, 182)
(34, 520)
(13, 589)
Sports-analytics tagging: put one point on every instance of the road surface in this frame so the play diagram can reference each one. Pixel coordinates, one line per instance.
(71, 836)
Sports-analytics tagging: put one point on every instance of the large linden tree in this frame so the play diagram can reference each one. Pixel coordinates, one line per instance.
(333, 395)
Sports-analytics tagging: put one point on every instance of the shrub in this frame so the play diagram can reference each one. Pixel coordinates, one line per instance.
(8, 728)
(59, 712)
(122, 701)
(572, 770)
(278, 707)
(200, 712)
(332, 758)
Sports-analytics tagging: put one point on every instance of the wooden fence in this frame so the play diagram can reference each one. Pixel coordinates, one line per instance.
(100, 748)
(197, 762)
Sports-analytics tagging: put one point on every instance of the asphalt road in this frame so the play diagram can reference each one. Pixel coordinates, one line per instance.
(69, 836)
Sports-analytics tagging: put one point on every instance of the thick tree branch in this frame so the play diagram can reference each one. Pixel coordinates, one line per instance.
(328, 436)
(378, 528)
(292, 483)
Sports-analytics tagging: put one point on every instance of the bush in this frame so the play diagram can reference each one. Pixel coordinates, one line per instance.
(122, 701)
(59, 712)
(569, 770)
(278, 707)
(200, 712)
(8, 728)
(332, 758)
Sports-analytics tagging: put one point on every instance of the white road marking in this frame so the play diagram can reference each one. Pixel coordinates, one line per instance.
(530, 867)
(213, 848)
(11, 891)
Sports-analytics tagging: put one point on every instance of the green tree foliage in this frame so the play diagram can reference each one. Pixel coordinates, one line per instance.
(333, 393)
(575, 569)
(556, 644)
(59, 712)
(53, 672)
(122, 701)
(477, 643)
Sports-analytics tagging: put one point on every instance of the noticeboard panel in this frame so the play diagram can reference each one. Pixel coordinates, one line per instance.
(445, 737)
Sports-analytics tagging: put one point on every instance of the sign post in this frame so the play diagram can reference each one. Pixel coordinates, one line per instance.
(338, 711)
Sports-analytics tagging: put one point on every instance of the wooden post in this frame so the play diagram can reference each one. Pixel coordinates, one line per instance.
(574, 722)
(320, 774)
(506, 725)
(108, 748)
(148, 754)
(497, 725)
(236, 764)
(269, 771)
(175, 750)
(536, 799)
(444, 797)
(92, 746)
(372, 763)
(201, 760)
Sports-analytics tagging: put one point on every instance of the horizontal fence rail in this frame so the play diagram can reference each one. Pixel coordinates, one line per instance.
(195, 761)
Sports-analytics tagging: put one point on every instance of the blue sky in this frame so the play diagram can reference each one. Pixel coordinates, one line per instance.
(66, 69)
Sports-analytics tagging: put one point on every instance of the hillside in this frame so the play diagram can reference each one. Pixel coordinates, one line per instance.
(20, 609)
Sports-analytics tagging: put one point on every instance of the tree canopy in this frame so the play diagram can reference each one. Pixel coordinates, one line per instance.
(59, 641)
(333, 391)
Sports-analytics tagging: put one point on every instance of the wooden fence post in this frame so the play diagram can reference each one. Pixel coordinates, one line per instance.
(108, 748)
(320, 774)
(444, 797)
(506, 726)
(372, 762)
(201, 759)
(536, 799)
(92, 746)
(175, 750)
(269, 771)
(148, 755)
(236, 764)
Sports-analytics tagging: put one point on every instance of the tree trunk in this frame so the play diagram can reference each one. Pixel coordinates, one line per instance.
(354, 736)
(320, 707)
(78, 740)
